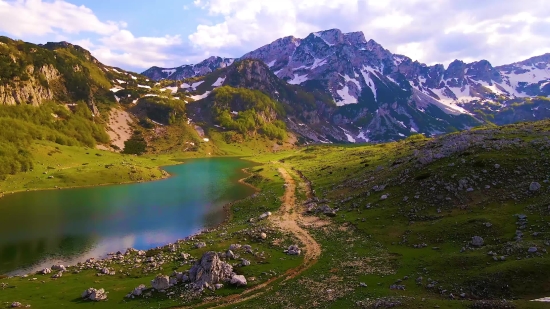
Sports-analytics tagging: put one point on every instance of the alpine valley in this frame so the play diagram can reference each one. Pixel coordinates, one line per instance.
(323, 172)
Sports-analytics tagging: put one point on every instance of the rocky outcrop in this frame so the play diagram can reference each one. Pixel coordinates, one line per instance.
(210, 270)
(31, 91)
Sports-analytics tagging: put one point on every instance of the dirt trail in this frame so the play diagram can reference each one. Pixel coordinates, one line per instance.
(287, 219)
(290, 216)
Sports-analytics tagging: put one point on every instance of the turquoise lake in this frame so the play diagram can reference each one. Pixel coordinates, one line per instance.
(68, 226)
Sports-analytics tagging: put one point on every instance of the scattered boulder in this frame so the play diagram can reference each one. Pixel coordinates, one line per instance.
(263, 235)
(238, 280)
(139, 290)
(384, 197)
(293, 250)
(234, 247)
(245, 262)
(58, 275)
(45, 271)
(210, 270)
(218, 286)
(161, 282)
(94, 294)
(534, 186)
(532, 250)
(477, 241)
(200, 245)
(265, 215)
(16, 304)
(59, 267)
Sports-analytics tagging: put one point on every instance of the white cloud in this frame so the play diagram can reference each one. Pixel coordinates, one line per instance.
(61, 20)
(35, 17)
(426, 30)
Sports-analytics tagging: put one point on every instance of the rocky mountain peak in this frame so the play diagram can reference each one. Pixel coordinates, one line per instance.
(484, 71)
(331, 37)
(356, 38)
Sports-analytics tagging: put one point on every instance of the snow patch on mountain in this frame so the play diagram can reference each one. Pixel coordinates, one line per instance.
(348, 135)
(169, 71)
(200, 97)
(346, 97)
(298, 79)
(218, 82)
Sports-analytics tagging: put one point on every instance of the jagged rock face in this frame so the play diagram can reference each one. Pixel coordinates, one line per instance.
(186, 71)
(31, 91)
(210, 270)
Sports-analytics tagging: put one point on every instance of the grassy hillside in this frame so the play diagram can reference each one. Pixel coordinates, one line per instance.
(407, 214)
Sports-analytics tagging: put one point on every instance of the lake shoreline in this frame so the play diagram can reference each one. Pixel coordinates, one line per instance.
(166, 175)
(224, 211)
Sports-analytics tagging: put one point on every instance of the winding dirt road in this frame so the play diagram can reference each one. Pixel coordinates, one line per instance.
(286, 219)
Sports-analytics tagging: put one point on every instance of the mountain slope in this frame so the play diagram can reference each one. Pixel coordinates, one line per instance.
(358, 73)
(310, 112)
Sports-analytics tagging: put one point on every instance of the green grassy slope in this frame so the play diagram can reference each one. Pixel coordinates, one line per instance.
(417, 231)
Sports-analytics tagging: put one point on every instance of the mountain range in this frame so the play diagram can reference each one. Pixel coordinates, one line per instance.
(381, 96)
(329, 87)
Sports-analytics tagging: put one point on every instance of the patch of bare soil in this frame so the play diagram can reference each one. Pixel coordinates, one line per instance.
(119, 128)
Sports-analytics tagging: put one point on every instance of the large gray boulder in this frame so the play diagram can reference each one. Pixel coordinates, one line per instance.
(210, 270)
(161, 282)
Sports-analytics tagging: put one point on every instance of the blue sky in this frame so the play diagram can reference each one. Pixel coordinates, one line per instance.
(137, 34)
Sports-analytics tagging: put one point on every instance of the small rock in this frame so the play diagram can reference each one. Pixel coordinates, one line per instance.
(238, 280)
(532, 250)
(477, 241)
(263, 235)
(264, 215)
(139, 290)
(534, 186)
(245, 262)
(294, 250)
(45, 271)
(200, 245)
